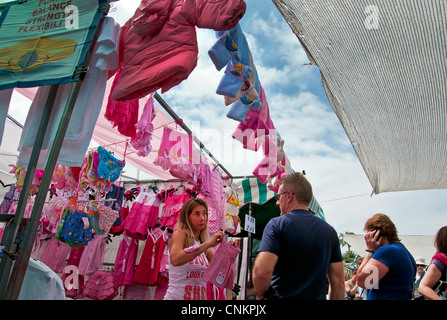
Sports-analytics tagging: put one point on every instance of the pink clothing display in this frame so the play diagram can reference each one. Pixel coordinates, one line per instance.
(160, 42)
(143, 214)
(176, 154)
(142, 140)
(148, 270)
(126, 259)
(215, 293)
(73, 260)
(100, 286)
(171, 210)
(186, 282)
(55, 255)
(215, 199)
(256, 125)
(204, 177)
(136, 292)
(93, 255)
(215, 217)
(160, 292)
(123, 116)
(222, 269)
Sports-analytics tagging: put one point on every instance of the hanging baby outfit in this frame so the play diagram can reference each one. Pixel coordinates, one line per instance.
(123, 116)
(93, 255)
(126, 259)
(176, 154)
(143, 214)
(73, 261)
(55, 255)
(74, 228)
(142, 141)
(222, 269)
(100, 286)
(171, 210)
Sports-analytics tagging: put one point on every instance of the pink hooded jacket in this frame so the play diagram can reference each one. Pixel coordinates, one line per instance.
(160, 42)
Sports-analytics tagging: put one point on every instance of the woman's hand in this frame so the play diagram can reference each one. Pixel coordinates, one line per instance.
(373, 241)
(216, 239)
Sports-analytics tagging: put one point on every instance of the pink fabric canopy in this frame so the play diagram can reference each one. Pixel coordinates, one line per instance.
(109, 137)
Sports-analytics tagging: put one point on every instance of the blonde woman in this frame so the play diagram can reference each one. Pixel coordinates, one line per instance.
(190, 252)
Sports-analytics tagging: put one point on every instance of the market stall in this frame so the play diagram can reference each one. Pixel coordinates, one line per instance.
(70, 206)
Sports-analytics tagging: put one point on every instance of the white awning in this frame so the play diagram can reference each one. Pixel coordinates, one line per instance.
(384, 70)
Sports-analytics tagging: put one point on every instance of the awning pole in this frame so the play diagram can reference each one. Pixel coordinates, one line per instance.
(21, 263)
(10, 235)
(248, 255)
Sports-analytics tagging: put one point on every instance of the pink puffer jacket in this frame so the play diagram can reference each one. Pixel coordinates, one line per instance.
(160, 42)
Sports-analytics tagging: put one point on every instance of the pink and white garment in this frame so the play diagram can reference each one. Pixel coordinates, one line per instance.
(257, 124)
(100, 286)
(55, 255)
(143, 214)
(186, 282)
(73, 261)
(142, 141)
(204, 177)
(125, 262)
(148, 270)
(216, 199)
(215, 293)
(222, 269)
(176, 154)
(93, 255)
(171, 210)
(214, 216)
(122, 115)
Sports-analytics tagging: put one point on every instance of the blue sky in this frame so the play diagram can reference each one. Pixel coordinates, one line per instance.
(314, 138)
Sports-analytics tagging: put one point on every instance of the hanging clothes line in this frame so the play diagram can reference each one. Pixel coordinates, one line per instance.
(180, 122)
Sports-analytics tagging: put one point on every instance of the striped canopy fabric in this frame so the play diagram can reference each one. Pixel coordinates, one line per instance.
(252, 190)
(384, 71)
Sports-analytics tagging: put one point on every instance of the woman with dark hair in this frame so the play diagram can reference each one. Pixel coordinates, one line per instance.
(437, 269)
(190, 253)
(388, 268)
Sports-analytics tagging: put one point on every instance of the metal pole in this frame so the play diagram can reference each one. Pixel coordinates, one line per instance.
(20, 266)
(11, 230)
(248, 254)
(21, 263)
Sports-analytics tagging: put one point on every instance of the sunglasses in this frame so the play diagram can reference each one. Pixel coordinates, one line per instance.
(421, 265)
(280, 194)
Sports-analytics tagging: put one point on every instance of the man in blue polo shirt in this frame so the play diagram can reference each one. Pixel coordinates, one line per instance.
(299, 252)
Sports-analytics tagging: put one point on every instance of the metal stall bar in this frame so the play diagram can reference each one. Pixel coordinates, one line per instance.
(21, 264)
(10, 233)
(185, 127)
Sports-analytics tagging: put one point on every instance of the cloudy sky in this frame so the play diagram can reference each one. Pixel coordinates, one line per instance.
(314, 138)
